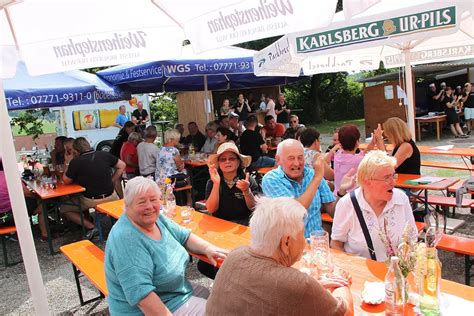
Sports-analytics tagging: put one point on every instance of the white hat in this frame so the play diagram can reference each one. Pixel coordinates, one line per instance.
(432, 85)
(230, 146)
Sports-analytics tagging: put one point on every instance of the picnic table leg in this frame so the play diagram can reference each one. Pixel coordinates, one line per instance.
(468, 263)
(437, 130)
(191, 179)
(419, 129)
(48, 229)
(426, 203)
(4, 248)
(81, 214)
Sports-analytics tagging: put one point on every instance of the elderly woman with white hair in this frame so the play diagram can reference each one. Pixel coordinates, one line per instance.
(168, 160)
(371, 219)
(146, 258)
(260, 280)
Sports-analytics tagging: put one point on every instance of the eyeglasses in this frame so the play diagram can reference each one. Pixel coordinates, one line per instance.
(387, 179)
(231, 159)
(294, 121)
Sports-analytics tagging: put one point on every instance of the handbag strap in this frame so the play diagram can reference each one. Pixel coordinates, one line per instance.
(363, 225)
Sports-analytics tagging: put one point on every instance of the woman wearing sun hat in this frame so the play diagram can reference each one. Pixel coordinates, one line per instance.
(230, 192)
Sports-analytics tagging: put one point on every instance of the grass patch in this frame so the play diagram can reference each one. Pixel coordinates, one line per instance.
(48, 127)
(438, 172)
(329, 126)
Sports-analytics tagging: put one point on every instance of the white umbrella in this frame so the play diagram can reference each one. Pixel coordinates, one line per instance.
(67, 35)
(57, 35)
(429, 30)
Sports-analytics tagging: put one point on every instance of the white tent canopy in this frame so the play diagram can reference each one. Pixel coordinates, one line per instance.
(392, 31)
(66, 35)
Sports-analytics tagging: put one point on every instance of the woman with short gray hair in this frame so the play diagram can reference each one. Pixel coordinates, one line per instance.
(168, 160)
(260, 278)
(210, 143)
(146, 258)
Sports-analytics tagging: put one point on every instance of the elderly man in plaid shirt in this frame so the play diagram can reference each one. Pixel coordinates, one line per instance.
(306, 185)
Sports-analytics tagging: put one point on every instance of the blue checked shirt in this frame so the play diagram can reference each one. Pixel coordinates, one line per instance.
(276, 184)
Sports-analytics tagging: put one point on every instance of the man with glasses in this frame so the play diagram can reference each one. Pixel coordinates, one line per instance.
(294, 128)
(307, 185)
(377, 205)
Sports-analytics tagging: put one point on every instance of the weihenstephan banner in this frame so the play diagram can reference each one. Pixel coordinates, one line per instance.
(93, 50)
(255, 19)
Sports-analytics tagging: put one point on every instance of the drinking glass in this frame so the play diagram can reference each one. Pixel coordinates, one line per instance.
(437, 227)
(306, 263)
(320, 250)
(60, 172)
(186, 213)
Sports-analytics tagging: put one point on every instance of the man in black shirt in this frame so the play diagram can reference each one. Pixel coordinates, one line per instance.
(92, 170)
(282, 110)
(434, 98)
(195, 137)
(121, 138)
(252, 144)
(140, 116)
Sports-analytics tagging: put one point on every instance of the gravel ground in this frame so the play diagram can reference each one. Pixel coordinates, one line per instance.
(59, 280)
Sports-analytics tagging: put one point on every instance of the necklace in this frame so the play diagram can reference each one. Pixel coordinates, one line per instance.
(231, 183)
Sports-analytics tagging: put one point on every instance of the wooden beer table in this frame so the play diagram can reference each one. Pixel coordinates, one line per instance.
(437, 119)
(401, 182)
(230, 235)
(51, 196)
(432, 150)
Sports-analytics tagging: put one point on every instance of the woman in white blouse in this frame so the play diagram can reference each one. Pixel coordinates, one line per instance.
(385, 209)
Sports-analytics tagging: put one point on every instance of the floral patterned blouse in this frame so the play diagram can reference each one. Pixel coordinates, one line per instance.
(165, 164)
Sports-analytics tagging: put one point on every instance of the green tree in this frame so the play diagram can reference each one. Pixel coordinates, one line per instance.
(332, 96)
(322, 96)
(30, 122)
(163, 108)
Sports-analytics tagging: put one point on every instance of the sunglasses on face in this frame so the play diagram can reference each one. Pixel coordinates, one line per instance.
(231, 159)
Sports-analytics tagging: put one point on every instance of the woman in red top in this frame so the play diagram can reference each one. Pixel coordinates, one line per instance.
(129, 155)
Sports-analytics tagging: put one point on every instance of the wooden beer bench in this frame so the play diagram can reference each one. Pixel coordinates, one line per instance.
(461, 246)
(445, 165)
(4, 231)
(87, 259)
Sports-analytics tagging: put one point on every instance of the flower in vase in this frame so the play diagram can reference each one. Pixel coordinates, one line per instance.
(406, 250)
(385, 238)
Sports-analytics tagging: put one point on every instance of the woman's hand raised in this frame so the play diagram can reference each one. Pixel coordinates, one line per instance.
(244, 185)
(215, 177)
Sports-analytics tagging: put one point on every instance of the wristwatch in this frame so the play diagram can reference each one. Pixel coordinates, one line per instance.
(339, 194)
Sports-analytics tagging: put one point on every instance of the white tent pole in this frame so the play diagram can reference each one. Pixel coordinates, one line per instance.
(207, 101)
(409, 92)
(15, 192)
